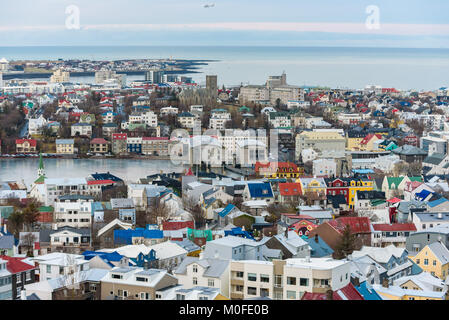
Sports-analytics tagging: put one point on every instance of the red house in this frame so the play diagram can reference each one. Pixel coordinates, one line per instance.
(337, 186)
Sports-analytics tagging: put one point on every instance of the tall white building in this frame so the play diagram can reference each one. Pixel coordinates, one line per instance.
(74, 211)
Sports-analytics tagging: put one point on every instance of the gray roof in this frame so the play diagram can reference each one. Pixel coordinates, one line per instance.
(214, 267)
(432, 217)
(441, 229)
(82, 231)
(122, 203)
(409, 150)
(7, 242)
(435, 158)
(440, 251)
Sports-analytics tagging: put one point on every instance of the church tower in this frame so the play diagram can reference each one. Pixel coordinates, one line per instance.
(40, 171)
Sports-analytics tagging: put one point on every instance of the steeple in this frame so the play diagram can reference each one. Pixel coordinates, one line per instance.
(40, 170)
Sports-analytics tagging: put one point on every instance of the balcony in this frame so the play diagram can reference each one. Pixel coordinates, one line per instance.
(236, 295)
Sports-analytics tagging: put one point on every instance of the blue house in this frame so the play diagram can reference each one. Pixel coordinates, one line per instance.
(139, 235)
(134, 147)
(112, 259)
(258, 191)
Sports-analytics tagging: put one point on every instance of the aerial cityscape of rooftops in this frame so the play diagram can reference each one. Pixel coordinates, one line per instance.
(130, 179)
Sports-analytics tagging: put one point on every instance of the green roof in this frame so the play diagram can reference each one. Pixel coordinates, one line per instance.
(46, 209)
(416, 179)
(377, 202)
(193, 234)
(394, 180)
(41, 179)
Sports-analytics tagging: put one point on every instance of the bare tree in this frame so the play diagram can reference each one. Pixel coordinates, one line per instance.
(28, 242)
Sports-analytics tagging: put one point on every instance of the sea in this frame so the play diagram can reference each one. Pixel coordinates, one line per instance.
(336, 67)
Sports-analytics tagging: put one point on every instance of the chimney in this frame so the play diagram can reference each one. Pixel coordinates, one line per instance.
(329, 294)
(55, 226)
(5, 229)
(385, 283)
(440, 216)
(286, 233)
(23, 295)
(316, 238)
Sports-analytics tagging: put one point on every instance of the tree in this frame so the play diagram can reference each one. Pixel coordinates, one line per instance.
(15, 223)
(31, 214)
(346, 245)
(28, 242)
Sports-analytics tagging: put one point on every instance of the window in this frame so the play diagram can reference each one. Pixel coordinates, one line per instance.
(195, 268)
(264, 278)
(252, 277)
(239, 274)
(141, 279)
(203, 298)
(48, 269)
(28, 276)
(210, 283)
(144, 296)
(252, 291)
(291, 294)
(116, 276)
(291, 281)
(195, 280)
(417, 261)
(434, 262)
(303, 282)
(426, 262)
(264, 292)
(180, 296)
(239, 288)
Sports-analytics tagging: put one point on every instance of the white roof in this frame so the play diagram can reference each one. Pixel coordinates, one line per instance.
(315, 263)
(424, 280)
(60, 259)
(168, 249)
(66, 181)
(114, 222)
(398, 291)
(381, 255)
(233, 241)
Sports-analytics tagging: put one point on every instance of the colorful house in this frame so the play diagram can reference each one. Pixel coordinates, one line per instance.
(358, 184)
(434, 259)
(277, 170)
(26, 145)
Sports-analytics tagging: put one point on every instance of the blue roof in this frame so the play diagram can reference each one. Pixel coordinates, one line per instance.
(362, 171)
(239, 232)
(436, 202)
(320, 249)
(107, 256)
(125, 236)
(260, 190)
(367, 293)
(223, 213)
(105, 176)
(420, 196)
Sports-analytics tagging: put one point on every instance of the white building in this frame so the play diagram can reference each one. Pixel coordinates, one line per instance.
(35, 126)
(74, 211)
(218, 119)
(324, 167)
(57, 264)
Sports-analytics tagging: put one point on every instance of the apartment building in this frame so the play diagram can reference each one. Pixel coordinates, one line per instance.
(57, 264)
(155, 146)
(280, 119)
(60, 76)
(187, 120)
(119, 143)
(74, 211)
(287, 279)
(81, 129)
(65, 146)
(321, 140)
(55, 187)
(218, 119)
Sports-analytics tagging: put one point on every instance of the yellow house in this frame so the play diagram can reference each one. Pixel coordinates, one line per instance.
(312, 185)
(65, 146)
(367, 143)
(278, 170)
(434, 259)
(358, 184)
(398, 293)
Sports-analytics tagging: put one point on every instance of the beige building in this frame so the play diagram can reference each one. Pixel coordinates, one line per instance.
(287, 279)
(65, 146)
(155, 146)
(324, 140)
(60, 76)
(133, 283)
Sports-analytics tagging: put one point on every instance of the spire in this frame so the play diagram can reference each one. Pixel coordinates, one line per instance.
(41, 169)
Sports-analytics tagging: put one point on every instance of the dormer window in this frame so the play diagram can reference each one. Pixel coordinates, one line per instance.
(116, 276)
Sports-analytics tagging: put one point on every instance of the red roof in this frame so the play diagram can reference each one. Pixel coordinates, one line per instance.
(290, 189)
(394, 227)
(349, 292)
(155, 138)
(394, 200)
(94, 182)
(16, 265)
(176, 225)
(357, 224)
(119, 136)
(98, 141)
(32, 142)
(369, 137)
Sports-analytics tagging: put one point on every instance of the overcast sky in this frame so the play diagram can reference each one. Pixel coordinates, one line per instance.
(403, 23)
